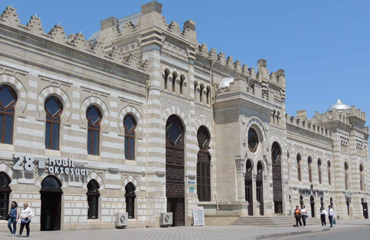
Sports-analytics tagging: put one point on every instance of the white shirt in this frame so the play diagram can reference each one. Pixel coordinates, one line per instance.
(26, 213)
(323, 212)
(331, 212)
(303, 211)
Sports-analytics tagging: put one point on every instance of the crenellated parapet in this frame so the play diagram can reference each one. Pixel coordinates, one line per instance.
(308, 124)
(77, 41)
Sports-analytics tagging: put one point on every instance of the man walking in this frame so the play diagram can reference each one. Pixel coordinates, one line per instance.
(331, 215)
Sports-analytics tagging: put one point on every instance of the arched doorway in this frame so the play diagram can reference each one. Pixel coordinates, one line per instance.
(51, 194)
(93, 199)
(248, 186)
(312, 202)
(130, 200)
(276, 177)
(175, 186)
(4, 195)
(259, 186)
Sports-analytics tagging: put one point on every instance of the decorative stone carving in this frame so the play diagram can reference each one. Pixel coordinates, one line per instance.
(10, 16)
(230, 62)
(174, 27)
(35, 25)
(58, 34)
(221, 58)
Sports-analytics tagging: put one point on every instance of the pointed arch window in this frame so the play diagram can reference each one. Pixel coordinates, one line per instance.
(201, 93)
(93, 199)
(329, 173)
(53, 109)
(346, 176)
(8, 100)
(166, 74)
(208, 95)
(130, 126)
(299, 159)
(203, 165)
(309, 162)
(130, 200)
(94, 118)
(174, 77)
(182, 80)
(4, 195)
(319, 169)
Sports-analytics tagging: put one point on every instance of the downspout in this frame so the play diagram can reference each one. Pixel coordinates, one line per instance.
(147, 87)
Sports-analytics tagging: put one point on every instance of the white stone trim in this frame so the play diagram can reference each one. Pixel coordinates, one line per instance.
(97, 178)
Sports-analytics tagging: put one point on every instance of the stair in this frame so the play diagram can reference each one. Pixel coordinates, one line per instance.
(277, 221)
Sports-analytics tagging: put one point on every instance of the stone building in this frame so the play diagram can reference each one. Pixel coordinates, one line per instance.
(141, 118)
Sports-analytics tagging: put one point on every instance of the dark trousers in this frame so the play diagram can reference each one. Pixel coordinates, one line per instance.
(304, 219)
(27, 227)
(323, 220)
(298, 220)
(12, 221)
(331, 220)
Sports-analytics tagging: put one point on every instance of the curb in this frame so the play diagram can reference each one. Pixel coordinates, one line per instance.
(275, 235)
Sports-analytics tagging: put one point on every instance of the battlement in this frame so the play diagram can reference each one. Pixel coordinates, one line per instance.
(9, 18)
(308, 125)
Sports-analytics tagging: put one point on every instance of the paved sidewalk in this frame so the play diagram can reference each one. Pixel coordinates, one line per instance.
(188, 233)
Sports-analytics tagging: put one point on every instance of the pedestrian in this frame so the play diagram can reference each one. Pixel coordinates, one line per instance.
(331, 214)
(13, 218)
(323, 215)
(297, 215)
(26, 215)
(304, 214)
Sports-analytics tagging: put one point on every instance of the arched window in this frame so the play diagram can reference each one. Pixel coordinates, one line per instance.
(130, 126)
(277, 185)
(195, 90)
(346, 176)
(8, 100)
(208, 96)
(166, 74)
(51, 183)
(361, 177)
(93, 199)
(182, 80)
(130, 200)
(53, 109)
(299, 158)
(203, 165)
(309, 162)
(174, 77)
(252, 140)
(329, 173)
(201, 93)
(319, 169)
(94, 118)
(4, 195)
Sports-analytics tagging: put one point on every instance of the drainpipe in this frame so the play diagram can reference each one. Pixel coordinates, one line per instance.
(147, 87)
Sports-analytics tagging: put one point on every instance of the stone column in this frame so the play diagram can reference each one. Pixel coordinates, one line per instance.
(239, 162)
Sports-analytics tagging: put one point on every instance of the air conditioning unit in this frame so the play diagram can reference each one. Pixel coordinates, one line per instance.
(122, 220)
(166, 219)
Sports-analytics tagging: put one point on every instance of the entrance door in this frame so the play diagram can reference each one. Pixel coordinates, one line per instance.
(248, 187)
(259, 186)
(175, 186)
(365, 210)
(276, 177)
(312, 202)
(51, 194)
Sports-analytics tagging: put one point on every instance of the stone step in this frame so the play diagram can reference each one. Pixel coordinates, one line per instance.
(279, 221)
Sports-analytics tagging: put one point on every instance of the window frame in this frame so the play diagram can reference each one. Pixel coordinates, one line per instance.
(52, 120)
(130, 135)
(93, 128)
(9, 111)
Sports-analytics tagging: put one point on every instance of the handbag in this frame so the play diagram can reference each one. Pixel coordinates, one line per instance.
(334, 221)
(7, 217)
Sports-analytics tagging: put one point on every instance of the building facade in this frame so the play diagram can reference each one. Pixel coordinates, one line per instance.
(141, 118)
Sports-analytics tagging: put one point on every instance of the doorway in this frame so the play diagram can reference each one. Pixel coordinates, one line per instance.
(276, 177)
(365, 209)
(51, 196)
(259, 186)
(248, 187)
(312, 202)
(175, 185)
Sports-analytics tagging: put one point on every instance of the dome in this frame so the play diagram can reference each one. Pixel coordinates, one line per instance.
(225, 82)
(339, 106)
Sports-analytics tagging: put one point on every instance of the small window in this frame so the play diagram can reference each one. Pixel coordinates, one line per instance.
(8, 100)
(130, 200)
(93, 199)
(346, 176)
(319, 169)
(130, 126)
(53, 109)
(252, 140)
(329, 173)
(4, 195)
(299, 158)
(94, 118)
(309, 162)
(182, 80)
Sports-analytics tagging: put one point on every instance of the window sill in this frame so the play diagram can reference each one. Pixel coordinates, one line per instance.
(93, 157)
(9, 147)
(52, 152)
(93, 220)
(130, 162)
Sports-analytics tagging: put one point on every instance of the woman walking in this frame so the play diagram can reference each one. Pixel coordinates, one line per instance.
(26, 215)
(304, 214)
(13, 218)
(331, 214)
(323, 215)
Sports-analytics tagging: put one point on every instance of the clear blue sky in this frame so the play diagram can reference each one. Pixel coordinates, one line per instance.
(324, 46)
